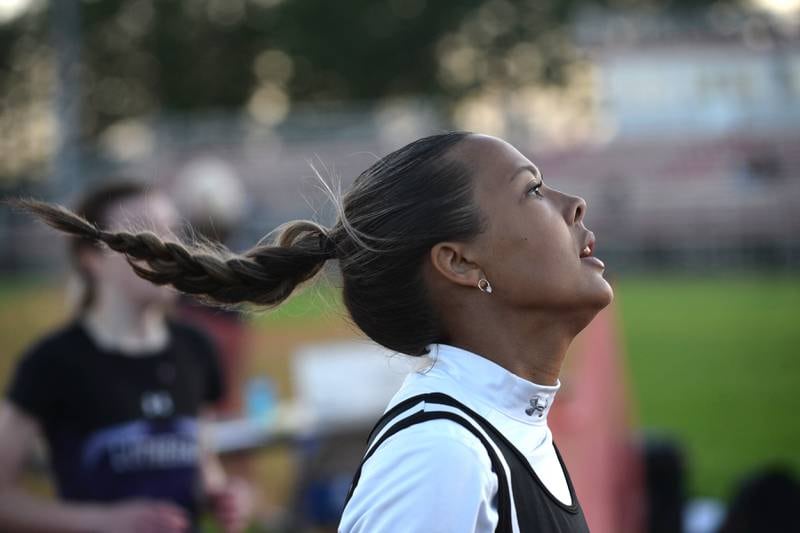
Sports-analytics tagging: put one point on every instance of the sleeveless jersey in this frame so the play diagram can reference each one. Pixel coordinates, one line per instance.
(521, 493)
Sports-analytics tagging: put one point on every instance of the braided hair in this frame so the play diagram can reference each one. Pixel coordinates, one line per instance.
(395, 212)
(264, 275)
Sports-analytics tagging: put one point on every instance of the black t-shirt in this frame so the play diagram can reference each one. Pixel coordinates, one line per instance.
(120, 426)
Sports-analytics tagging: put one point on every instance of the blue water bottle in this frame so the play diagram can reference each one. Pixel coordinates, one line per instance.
(260, 398)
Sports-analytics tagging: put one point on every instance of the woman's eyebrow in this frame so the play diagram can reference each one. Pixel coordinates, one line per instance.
(530, 168)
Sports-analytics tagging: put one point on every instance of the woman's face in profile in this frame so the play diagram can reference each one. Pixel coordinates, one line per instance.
(531, 250)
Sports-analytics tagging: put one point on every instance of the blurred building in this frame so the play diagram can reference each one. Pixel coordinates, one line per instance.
(702, 160)
(722, 73)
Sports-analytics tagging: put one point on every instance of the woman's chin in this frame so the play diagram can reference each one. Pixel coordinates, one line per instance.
(607, 294)
(601, 295)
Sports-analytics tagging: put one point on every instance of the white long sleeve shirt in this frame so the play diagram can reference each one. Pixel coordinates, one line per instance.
(437, 476)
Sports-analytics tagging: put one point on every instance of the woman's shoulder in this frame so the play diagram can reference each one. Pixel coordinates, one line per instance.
(435, 472)
(436, 443)
(440, 441)
(57, 343)
(44, 369)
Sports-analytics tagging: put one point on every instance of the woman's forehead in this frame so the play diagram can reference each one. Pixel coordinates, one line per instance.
(492, 160)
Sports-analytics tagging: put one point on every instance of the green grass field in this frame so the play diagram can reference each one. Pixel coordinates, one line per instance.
(713, 362)
(716, 363)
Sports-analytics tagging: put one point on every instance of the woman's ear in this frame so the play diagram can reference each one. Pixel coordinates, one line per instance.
(449, 260)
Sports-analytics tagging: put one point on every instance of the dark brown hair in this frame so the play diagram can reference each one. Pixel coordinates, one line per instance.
(394, 213)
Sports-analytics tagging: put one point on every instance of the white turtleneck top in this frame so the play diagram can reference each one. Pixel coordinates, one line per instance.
(437, 476)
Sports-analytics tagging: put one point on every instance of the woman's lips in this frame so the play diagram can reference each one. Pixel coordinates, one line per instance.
(590, 259)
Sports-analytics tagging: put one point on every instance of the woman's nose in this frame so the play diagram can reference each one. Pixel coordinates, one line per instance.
(577, 210)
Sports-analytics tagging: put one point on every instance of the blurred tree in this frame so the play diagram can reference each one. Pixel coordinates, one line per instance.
(141, 57)
(25, 93)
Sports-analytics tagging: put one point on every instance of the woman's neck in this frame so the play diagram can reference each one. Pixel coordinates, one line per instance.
(115, 323)
(532, 346)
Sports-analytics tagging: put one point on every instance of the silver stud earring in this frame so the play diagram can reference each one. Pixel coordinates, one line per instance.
(485, 286)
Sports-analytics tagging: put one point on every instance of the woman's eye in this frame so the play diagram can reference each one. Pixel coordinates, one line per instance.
(534, 189)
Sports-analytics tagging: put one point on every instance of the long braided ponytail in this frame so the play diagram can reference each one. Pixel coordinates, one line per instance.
(264, 275)
(394, 213)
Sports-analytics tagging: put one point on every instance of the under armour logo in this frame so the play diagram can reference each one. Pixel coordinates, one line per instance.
(538, 405)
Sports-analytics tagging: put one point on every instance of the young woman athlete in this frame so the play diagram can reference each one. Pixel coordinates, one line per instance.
(451, 248)
(117, 392)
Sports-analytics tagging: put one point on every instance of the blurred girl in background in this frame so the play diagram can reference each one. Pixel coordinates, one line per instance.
(452, 248)
(118, 394)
